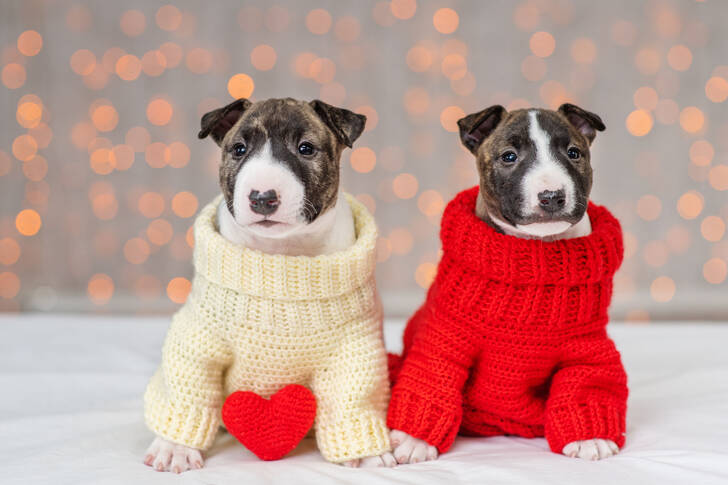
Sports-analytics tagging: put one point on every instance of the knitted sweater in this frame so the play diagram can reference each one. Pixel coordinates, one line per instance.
(259, 322)
(512, 337)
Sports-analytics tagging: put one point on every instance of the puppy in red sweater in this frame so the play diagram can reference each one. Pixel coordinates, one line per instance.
(512, 339)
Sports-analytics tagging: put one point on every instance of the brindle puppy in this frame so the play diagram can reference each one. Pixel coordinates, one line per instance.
(535, 181)
(279, 175)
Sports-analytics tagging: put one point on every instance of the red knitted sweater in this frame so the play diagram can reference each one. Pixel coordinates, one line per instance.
(512, 337)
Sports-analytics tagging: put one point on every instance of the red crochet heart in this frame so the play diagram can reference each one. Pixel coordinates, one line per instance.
(270, 428)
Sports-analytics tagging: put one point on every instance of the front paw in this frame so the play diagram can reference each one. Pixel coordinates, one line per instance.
(408, 449)
(378, 461)
(595, 449)
(165, 456)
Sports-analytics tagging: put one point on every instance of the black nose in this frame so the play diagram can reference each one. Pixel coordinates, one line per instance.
(265, 203)
(552, 200)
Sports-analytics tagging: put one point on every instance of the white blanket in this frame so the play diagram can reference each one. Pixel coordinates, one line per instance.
(71, 413)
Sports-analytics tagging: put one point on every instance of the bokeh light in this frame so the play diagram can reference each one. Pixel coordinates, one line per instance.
(263, 57)
(639, 122)
(13, 76)
(662, 289)
(30, 43)
(9, 285)
(718, 177)
(240, 86)
(28, 222)
(716, 89)
(450, 116)
(168, 17)
(542, 44)
(692, 119)
(405, 186)
(679, 58)
(128, 67)
(151, 205)
(184, 204)
(159, 111)
(159, 232)
(363, 159)
(100, 288)
(9, 251)
(318, 21)
(178, 288)
(715, 271)
(690, 205)
(445, 20)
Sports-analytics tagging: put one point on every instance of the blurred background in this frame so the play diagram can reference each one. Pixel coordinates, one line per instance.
(101, 173)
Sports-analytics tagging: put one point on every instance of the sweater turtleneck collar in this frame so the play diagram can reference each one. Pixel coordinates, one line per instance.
(281, 277)
(471, 242)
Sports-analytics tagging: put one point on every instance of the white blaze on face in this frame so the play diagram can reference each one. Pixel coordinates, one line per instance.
(545, 174)
(263, 172)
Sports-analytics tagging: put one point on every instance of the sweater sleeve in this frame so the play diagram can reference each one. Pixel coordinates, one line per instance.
(352, 391)
(427, 397)
(184, 397)
(588, 396)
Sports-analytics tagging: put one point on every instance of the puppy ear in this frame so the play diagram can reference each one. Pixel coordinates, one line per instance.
(346, 125)
(585, 122)
(476, 127)
(218, 122)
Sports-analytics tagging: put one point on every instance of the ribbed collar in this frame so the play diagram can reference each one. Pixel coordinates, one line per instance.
(473, 243)
(285, 277)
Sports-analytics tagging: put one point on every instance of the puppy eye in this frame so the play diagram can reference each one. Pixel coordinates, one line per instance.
(573, 153)
(239, 150)
(509, 157)
(306, 149)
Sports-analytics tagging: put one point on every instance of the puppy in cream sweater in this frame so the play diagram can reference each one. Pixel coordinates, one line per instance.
(283, 292)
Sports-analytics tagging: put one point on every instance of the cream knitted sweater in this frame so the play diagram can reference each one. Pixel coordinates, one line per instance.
(259, 322)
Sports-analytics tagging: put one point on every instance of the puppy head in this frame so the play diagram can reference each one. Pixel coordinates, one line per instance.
(534, 165)
(280, 160)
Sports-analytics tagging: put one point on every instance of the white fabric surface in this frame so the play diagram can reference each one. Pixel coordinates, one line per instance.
(71, 413)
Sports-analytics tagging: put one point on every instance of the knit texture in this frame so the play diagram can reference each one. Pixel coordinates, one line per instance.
(270, 428)
(258, 322)
(512, 337)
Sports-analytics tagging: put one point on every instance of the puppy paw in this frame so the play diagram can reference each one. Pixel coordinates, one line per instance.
(408, 449)
(165, 456)
(595, 449)
(378, 461)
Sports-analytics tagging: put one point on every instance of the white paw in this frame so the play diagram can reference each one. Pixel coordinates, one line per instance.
(595, 449)
(383, 460)
(408, 449)
(165, 456)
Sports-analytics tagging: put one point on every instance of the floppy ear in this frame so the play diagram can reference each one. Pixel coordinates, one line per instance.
(587, 123)
(476, 127)
(346, 125)
(218, 122)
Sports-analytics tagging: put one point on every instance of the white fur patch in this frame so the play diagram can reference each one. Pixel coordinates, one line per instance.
(547, 231)
(546, 173)
(595, 449)
(330, 232)
(262, 172)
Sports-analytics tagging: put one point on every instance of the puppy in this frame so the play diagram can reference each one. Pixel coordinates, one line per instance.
(279, 176)
(535, 181)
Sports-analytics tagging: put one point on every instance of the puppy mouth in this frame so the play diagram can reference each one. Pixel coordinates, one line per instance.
(545, 218)
(267, 223)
